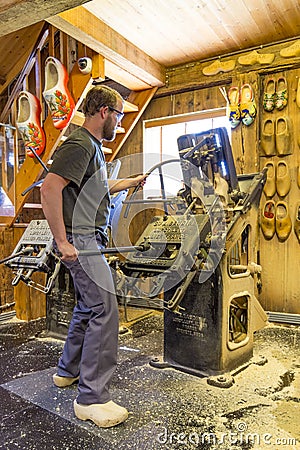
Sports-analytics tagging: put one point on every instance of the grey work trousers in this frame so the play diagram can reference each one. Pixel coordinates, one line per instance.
(91, 346)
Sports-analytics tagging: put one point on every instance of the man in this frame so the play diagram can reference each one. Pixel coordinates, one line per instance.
(75, 197)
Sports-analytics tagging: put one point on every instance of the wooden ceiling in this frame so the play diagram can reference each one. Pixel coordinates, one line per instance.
(179, 31)
(141, 38)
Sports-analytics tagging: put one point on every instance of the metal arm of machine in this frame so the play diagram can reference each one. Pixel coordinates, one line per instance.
(156, 166)
(143, 247)
(34, 253)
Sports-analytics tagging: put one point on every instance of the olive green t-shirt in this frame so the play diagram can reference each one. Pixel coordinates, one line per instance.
(86, 199)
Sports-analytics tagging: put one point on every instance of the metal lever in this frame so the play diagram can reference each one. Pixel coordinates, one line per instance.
(37, 183)
(156, 166)
(143, 247)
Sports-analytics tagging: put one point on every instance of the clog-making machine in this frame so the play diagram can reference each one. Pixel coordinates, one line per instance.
(197, 257)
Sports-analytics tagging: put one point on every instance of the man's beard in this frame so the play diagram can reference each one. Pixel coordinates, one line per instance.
(109, 130)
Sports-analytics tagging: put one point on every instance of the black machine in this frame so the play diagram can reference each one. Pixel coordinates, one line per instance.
(203, 259)
(197, 259)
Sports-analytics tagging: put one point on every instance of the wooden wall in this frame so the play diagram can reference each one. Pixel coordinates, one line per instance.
(6, 290)
(188, 90)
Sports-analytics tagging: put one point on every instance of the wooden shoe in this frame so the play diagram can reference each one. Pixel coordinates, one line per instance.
(283, 179)
(247, 104)
(270, 185)
(29, 123)
(291, 51)
(267, 222)
(267, 139)
(283, 223)
(233, 110)
(297, 222)
(298, 93)
(219, 66)
(249, 59)
(104, 415)
(269, 95)
(64, 381)
(265, 58)
(283, 138)
(281, 93)
(256, 58)
(56, 93)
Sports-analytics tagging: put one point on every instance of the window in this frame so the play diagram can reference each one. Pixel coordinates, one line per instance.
(160, 144)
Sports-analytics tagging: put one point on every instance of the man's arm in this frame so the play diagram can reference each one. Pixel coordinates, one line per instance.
(52, 204)
(126, 183)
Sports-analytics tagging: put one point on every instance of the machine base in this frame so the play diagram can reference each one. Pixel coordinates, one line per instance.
(224, 380)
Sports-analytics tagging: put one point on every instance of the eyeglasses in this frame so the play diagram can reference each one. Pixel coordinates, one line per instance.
(120, 114)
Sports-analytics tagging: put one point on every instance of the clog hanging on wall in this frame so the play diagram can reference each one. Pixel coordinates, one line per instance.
(29, 123)
(56, 93)
(267, 222)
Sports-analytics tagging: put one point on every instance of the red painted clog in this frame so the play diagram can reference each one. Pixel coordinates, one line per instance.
(29, 123)
(56, 93)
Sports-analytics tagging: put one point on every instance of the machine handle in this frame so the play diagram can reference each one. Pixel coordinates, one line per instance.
(113, 250)
(156, 166)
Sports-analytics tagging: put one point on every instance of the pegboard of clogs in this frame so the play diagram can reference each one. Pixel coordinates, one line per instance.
(279, 215)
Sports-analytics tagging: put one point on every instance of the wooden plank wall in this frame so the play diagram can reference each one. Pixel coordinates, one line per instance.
(6, 276)
(280, 260)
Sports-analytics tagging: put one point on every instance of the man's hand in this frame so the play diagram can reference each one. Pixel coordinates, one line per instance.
(140, 180)
(126, 183)
(68, 252)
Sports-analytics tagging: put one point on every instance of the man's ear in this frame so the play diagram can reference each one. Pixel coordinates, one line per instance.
(103, 111)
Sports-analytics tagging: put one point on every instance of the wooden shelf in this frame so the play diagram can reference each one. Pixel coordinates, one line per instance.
(32, 206)
(78, 118)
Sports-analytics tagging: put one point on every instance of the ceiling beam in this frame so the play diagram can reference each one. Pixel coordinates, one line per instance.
(88, 29)
(15, 15)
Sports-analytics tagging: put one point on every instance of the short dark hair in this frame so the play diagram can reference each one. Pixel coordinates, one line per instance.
(100, 96)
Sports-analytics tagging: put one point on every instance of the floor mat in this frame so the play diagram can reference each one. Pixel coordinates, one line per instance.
(38, 389)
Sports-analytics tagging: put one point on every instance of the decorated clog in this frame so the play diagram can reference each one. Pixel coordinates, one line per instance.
(233, 111)
(281, 94)
(269, 95)
(267, 222)
(29, 123)
(247, 104)
(56, 93)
